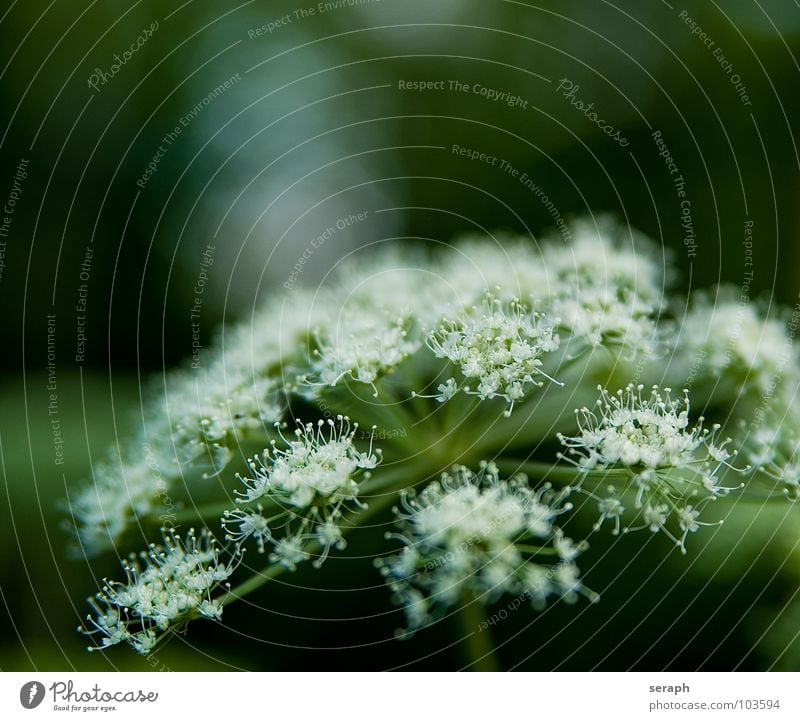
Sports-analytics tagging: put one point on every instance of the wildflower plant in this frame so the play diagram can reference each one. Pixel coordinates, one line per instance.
(441, 385)
(672, 469)
(474, 535)
(166, 586)
(497, 347)
(307, 486)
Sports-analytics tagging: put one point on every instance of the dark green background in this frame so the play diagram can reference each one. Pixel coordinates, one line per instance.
(316, 129)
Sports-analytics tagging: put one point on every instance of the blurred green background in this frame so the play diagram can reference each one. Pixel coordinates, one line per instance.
(266, 123)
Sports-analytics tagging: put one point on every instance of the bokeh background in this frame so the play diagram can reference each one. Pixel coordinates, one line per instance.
(249, 128)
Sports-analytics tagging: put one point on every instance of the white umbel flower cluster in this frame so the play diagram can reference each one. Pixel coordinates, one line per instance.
(497, 347)
(607, 288)
(774, 449)
(377, 316)
(672, 468)
(212, 413)
(193, 427)
(469, 305)
(734, 345)
(166, 587)
(473, 536)
(307, 486)
(508, 266)
(371, 320)
(362, 347)
(119, 492)
(477, 350)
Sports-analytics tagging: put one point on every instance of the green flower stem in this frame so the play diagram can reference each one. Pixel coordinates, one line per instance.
(538, 417)
(274, 570)
(254, 582)
(421, 406)
(385, 480)
(212, 509)
(458, 409)
(537, 550)
(560, 473)
(478, 641)
(387, 412)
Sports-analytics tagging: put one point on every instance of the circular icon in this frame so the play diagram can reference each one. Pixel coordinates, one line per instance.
(31, 694)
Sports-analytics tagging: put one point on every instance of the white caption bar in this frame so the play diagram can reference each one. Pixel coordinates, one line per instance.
(357, 696)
